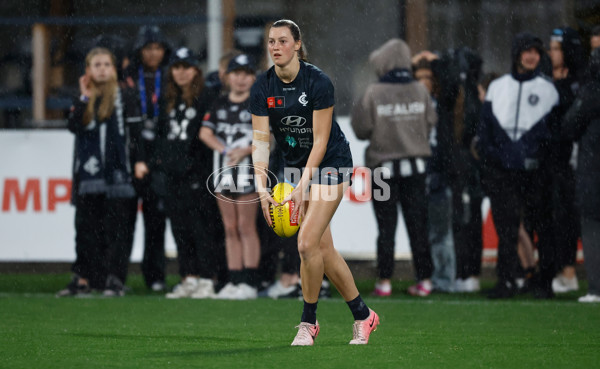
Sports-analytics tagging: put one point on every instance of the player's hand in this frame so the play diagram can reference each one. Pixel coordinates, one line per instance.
(297, 197)
(266, 201)
(141, 170)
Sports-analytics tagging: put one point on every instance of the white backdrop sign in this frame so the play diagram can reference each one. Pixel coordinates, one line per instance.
(37, 220)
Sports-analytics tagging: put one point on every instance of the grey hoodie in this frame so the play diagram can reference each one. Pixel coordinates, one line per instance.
(397, 115)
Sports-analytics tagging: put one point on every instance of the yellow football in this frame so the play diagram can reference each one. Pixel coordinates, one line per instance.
(281, 216)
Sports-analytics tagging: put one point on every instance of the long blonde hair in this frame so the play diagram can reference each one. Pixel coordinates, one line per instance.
(106, 91)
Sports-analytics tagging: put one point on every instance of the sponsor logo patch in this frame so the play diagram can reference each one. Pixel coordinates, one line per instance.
(293, 121)
(274, 102)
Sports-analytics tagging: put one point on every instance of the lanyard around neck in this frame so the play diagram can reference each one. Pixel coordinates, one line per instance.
(155, 95)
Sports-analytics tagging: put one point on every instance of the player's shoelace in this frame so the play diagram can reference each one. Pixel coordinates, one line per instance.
(304, 332)
(358, 331)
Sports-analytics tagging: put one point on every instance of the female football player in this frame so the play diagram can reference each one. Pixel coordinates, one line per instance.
(295, 99)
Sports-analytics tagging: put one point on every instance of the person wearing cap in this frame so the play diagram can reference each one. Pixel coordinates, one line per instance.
(146, 74)
(567, 55)
(227, 129)
(510, 142)
(185, 160)
(217, 79)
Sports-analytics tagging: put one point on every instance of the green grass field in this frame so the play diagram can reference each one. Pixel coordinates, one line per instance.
(144, 330)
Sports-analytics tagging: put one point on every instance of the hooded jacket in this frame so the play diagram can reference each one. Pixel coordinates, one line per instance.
(148, 35)
(582, 122)
(146, 129)
(516, 113)
(396, 113)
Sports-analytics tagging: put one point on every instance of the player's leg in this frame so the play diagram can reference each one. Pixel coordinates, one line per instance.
(316, 220)
(336, 268)
(322, 205)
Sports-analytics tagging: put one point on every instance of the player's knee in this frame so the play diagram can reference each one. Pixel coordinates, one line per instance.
(307, 245)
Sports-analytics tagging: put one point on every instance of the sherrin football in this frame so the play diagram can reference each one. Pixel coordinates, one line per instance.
(281, 216)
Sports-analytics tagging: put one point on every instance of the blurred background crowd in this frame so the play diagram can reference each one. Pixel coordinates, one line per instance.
(458, 50)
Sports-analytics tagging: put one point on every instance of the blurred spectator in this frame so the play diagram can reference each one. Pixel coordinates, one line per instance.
(439, 193)
(227, 129)
(146, 73)
(102, 185)
(484, 84)
(467, 194)
(524, 246)
(566, 52)
(118, 46)
(396, 115)
(217, 79)
(185, 162)
(595, 38)
(582, 122)
(217, 85)
(511, 136)
(456, 74)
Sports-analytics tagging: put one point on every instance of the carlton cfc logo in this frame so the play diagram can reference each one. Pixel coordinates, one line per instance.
(302, 99)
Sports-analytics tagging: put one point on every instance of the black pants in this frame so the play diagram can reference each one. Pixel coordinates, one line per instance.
(515, 195)
(567, 228)
(410, 192)
(153, 210)
(192, 213)
(467, 196)
(591, 250)
(101, 238)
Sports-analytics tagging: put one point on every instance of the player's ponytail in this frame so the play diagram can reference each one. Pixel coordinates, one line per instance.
(296, 34)
(302, 53)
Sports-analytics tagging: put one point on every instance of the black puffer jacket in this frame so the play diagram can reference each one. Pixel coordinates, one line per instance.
(582, 122)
